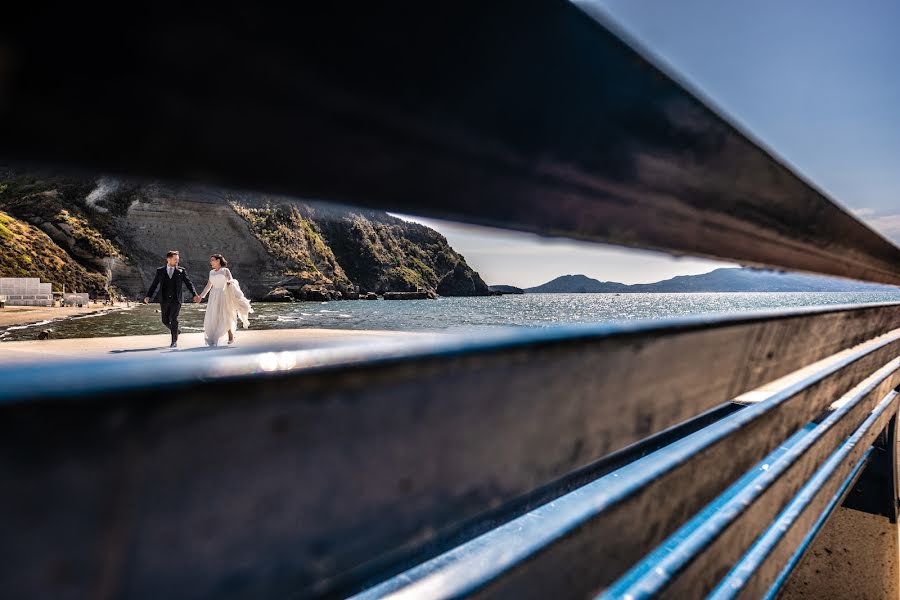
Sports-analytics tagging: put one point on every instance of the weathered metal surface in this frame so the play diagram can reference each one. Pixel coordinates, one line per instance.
(769, 561)
(529, 116)
(247, 475)
(709, 550)
(584, 541)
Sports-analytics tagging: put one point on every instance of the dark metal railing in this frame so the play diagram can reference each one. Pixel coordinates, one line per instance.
(553, 463)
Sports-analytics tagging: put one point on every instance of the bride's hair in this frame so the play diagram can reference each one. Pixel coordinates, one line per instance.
(221, 259)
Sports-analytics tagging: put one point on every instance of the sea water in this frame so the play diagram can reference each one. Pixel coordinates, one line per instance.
(453, 314)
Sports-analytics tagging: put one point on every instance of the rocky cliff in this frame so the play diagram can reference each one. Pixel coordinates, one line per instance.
(91, 233)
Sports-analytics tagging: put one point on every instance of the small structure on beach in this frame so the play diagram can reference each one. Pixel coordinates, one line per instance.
(26, 291)
(76, 299)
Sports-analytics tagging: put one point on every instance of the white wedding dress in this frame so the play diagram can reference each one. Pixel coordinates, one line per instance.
(226, 304)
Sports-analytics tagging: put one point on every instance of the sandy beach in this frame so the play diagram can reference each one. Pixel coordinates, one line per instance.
(158, 345)
(26, 315)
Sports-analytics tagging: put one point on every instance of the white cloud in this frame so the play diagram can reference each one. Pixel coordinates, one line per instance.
(525, 259)
(887, 225)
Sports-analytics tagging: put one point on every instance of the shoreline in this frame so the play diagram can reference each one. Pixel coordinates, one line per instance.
(15, 317)
(18, 323)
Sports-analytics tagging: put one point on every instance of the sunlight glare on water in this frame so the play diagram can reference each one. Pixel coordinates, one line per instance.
(529, 310)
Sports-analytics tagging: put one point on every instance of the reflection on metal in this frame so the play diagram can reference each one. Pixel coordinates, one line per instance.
(545, 539)
(834, 328)
(484, 560)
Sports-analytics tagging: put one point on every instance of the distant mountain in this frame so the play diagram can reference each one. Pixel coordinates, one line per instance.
(577, 284)
(506, 289)
(719, 280)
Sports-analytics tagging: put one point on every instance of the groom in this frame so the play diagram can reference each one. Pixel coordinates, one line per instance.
(169, 280)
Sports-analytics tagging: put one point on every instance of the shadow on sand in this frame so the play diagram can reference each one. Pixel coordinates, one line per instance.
(136, 350)
(201, 349)
(170, 350)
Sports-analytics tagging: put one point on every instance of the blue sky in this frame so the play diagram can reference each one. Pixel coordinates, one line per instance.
(816, 81)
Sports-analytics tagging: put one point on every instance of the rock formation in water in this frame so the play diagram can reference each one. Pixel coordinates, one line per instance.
(505, 289)
(90, 233)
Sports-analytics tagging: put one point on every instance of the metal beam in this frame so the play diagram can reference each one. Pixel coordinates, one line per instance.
(401, 451)
(531, 116)
(582, 542)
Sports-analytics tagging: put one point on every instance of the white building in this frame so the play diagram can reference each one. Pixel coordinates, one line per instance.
(26, 291)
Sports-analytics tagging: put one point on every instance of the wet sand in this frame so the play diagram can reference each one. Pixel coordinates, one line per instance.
(26, 315)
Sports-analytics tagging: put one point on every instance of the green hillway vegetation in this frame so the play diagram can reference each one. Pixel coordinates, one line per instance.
(26, 251)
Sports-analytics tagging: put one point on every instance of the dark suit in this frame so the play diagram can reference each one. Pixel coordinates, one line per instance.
(170, 295)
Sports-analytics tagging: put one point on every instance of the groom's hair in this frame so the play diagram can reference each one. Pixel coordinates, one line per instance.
(171, 253)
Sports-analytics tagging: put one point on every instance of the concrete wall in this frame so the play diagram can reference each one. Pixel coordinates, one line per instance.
(26, 291)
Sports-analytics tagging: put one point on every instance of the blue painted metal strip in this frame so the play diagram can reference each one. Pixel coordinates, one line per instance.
(817, 526)
(474, 564)
(654, 568)
(732, 584)
(650, 576)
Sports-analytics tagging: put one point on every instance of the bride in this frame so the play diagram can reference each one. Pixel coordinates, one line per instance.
(226, 303)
